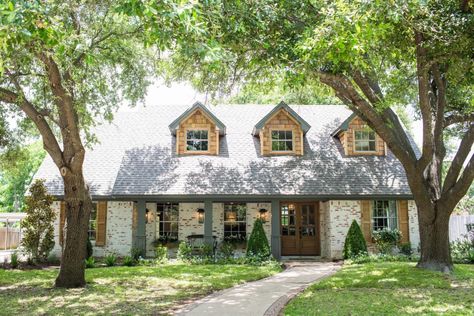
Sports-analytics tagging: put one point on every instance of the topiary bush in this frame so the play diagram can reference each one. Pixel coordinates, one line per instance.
(257, 244)
(354, 244)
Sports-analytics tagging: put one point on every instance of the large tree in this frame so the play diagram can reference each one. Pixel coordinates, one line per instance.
(376, 55)
(65, 66)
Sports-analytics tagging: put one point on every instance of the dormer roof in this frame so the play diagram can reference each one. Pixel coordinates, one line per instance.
(344, 126)
(281, 106)
(197, 106)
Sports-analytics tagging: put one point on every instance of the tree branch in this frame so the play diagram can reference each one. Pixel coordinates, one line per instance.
(49, 140)
(424, 101)
(346, 91)
(458, 118)
(456, 193)
(456, 165)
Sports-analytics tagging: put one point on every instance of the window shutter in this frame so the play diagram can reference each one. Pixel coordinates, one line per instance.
(101, 223)
(403, 220)
(365, 220)
(62, 220)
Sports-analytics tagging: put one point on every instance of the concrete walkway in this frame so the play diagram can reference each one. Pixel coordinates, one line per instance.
(263, 297)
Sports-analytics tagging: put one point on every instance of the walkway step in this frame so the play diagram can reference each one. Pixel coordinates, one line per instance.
(263, 297)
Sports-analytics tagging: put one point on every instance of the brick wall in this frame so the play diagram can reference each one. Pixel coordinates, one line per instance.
(118, 231)
(413, 225)
(325, 233)
(281, 121)
(188, 221)
(151, 229)
(341, 215)
(197, 120)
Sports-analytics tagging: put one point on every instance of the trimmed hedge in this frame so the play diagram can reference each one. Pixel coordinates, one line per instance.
(355, 243)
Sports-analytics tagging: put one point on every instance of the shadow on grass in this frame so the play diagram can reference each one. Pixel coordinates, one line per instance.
(120, 290)
(388, 289)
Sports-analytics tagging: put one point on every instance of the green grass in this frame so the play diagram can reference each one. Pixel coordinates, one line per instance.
(389, 288)
(120, 290)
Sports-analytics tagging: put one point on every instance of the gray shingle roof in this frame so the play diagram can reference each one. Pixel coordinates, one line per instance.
(136, 156)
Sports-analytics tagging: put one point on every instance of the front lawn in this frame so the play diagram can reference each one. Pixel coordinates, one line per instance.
(389, 288)
(120, 290)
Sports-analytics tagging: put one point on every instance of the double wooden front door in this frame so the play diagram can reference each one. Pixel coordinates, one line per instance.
(300, 229)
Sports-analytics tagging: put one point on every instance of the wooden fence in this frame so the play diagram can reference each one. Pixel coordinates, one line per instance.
(459, 225)
(9, 238)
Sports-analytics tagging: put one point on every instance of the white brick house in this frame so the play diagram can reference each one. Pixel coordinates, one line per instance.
(172, 173)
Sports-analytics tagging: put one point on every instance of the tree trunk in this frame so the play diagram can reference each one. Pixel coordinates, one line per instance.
(78, 208)
(434, 237)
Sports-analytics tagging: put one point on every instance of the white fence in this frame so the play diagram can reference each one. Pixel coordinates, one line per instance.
(458, 226)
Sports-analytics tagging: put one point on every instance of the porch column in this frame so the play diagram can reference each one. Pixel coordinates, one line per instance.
(140, 234)
(208, 222)
(276, 240)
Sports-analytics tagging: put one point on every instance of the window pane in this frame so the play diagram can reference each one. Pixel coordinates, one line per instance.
(274, 134)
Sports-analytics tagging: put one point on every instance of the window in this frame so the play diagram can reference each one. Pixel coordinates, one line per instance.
(384, 215)
(93, 222)
(235, 221)
(197, 140)
(288, 220)
(168, 214)
(364, 141)
(282, 141)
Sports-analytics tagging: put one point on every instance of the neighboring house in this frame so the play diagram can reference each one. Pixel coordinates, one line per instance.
(172, 172)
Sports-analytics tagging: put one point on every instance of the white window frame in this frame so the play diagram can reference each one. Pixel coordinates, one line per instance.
(234, 207)
(196, 139)
(282, 140)
(390, 208)
(368, 141)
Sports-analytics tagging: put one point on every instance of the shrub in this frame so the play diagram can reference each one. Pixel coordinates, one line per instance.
(405, 249)
(128, 261)
(355, 242)
(38, 230)
(366, 258)
(137, 253)
(89, 249)
(14, 260)
(227, 250)
(110, 260)
(258, 242)
(185, 252)
(386, 239)
(90, 263)
(462, 250)
(53, 259)
(161, 253)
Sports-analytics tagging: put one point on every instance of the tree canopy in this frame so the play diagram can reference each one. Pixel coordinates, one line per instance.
(376, 56)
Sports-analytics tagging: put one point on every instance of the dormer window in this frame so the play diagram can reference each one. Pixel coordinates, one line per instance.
(197, 140)
(364, 141)
(358, 139)
(282, 141)
(197, 131)
(281, 132)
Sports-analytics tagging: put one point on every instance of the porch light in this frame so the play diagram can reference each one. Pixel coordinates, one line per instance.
(147, 216)
(200, 215)
(263, 214)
